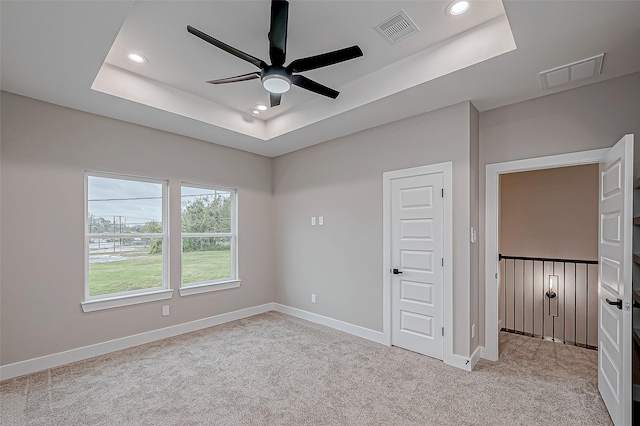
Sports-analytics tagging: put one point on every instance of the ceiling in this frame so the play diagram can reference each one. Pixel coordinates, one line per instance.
(75, 54)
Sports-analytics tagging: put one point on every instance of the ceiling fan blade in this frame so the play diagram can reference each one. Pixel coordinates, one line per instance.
(278, 32)
(275, 98)
(305, 83)
(238, 53)
(243, 77)
(325, 59)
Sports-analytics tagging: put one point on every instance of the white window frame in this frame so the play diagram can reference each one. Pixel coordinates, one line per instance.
(114, 300)
(223, 283)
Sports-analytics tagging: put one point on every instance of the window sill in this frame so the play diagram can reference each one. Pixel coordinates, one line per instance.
(207, 287)
(126, 300)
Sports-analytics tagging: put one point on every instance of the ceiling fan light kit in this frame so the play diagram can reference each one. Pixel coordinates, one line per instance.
(276, 78)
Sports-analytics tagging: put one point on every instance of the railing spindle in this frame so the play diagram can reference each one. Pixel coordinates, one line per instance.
(586, 310)
(564, 302)
(505, 295)
(533, 298)
(523, 304)
(553, 319)
(542, 332)
(575, 304)
(514, 295)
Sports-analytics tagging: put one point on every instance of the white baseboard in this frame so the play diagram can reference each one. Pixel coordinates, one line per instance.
(462, 362)
(54, 360)
(356, 330)
(475, 356)
(458, 361)
(491, 353)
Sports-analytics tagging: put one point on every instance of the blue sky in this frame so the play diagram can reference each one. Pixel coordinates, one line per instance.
(138, 202)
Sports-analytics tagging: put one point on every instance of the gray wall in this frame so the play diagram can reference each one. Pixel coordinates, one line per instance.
(590, 117)
(45, 152)
(341, 262)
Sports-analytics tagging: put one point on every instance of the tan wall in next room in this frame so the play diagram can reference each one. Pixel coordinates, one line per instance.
(550, 213)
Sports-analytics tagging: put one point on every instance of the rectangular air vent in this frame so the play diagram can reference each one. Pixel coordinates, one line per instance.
(397, 27)
(576, 71)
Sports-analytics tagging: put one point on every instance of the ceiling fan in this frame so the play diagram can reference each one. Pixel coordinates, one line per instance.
(277, 78)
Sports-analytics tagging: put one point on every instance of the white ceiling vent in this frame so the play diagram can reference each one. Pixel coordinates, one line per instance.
(576, 71)
(397, 27)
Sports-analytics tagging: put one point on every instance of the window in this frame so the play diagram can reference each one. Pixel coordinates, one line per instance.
(209, 247)
(125, 241)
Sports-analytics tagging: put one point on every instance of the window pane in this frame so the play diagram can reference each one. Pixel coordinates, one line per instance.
(123, 206)
(205, 259)
(124, 264)
(205, 210)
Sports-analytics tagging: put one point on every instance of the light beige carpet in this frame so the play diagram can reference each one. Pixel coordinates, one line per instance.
(273, 369)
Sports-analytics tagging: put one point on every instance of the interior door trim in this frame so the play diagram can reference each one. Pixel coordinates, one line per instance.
(491, 270)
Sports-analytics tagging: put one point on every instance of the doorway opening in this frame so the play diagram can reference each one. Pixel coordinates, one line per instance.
(548, 250)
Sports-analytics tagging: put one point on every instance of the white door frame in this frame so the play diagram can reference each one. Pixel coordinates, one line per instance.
(492, 200)
(447, 306)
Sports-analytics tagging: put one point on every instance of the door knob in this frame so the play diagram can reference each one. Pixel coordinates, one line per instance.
(396, 272)
(617, 303)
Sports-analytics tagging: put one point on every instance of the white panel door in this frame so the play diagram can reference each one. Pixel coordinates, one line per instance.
(614, 280)
(416, 262)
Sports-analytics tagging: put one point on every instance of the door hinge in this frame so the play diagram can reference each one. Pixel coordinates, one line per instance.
(443, 331)
(442, 192)
(496, 276)
(442, 261)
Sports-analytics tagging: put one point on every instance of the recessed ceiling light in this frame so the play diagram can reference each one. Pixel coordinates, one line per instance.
(457, 7)
(261, 107)
(137, 58)
(255, 112)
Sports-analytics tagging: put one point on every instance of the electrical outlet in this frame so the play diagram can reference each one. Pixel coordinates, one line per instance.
(313, 298)
(473, 331)
(165, 310)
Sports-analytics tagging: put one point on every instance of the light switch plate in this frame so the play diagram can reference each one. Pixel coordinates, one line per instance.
(320, 220)
(313, 221)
